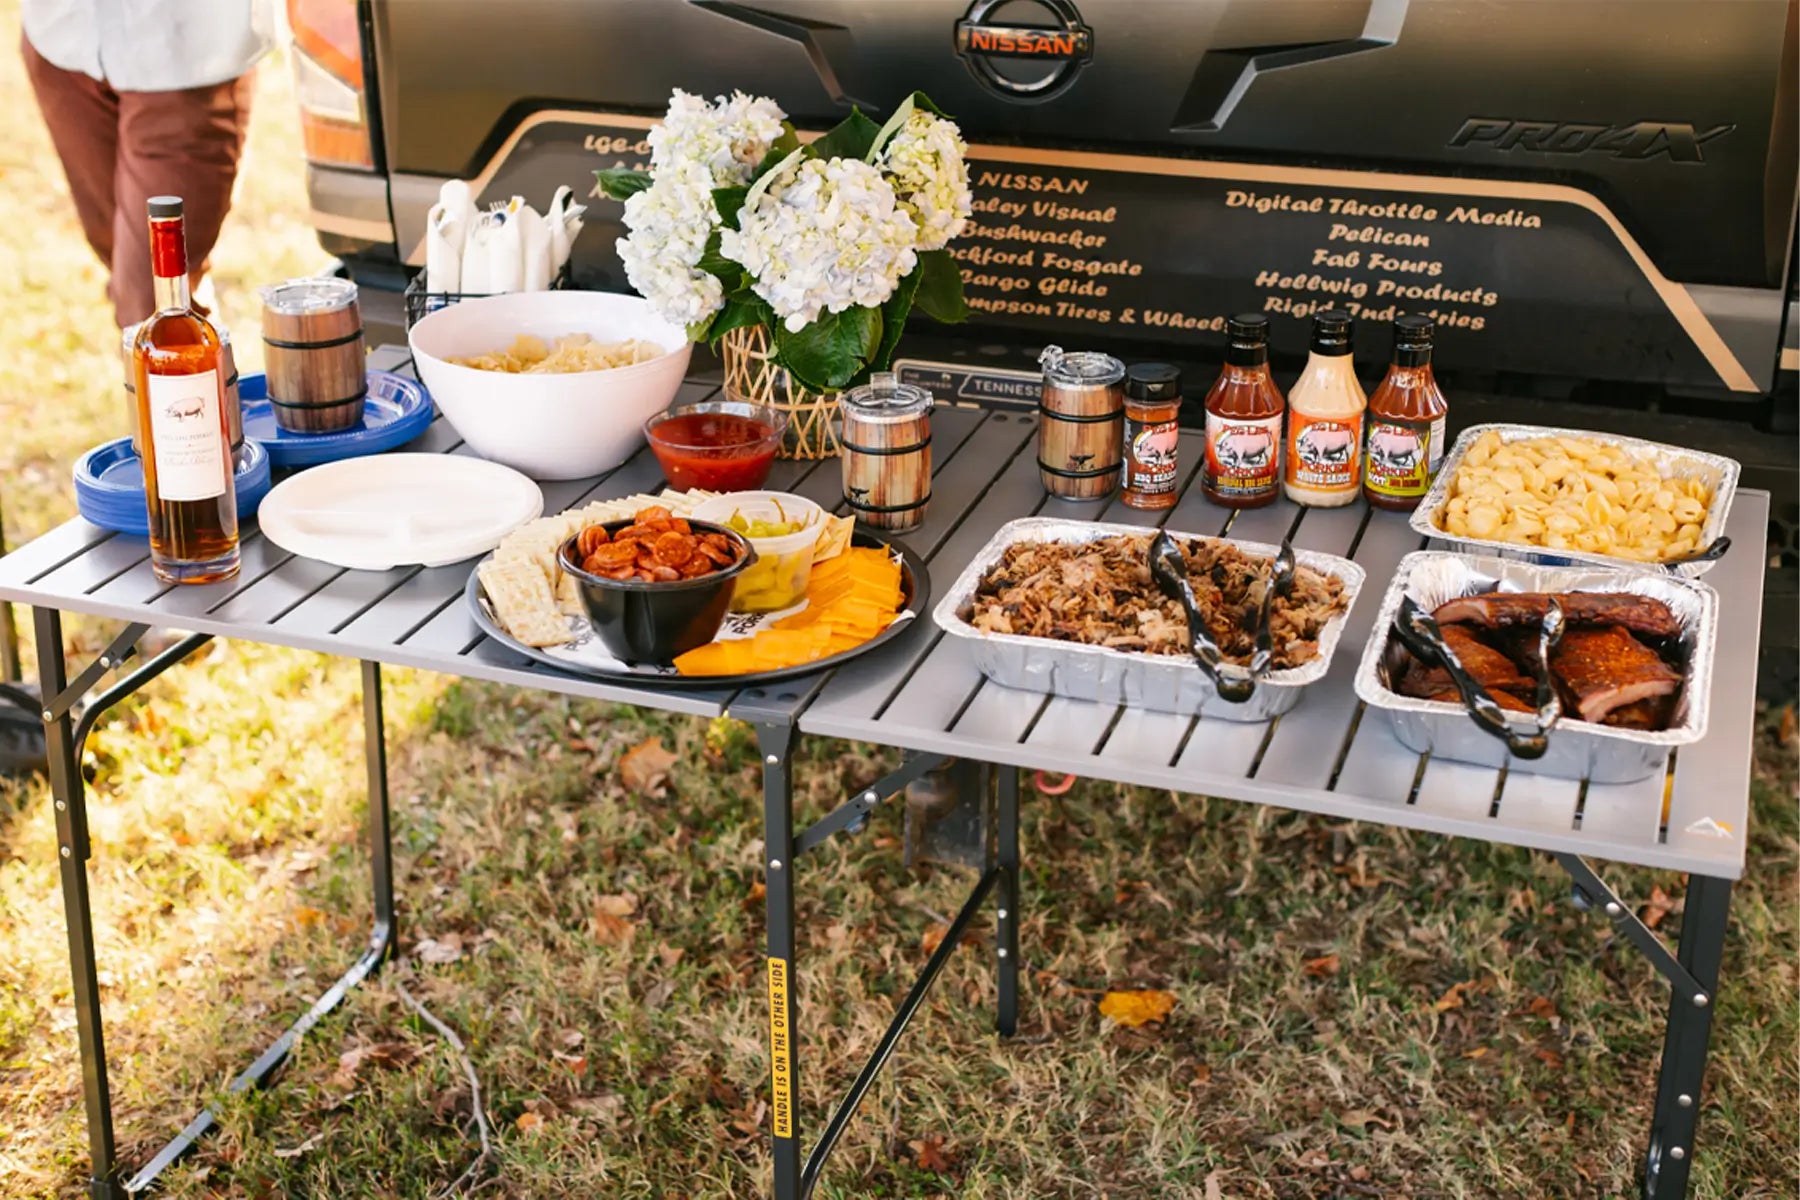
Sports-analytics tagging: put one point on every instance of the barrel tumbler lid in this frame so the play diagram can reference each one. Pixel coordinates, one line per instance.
(1153, 381)
(884, 398)
(298, 296)
(1081, 368)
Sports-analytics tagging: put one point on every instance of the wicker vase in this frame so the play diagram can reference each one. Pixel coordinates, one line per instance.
(753, 375)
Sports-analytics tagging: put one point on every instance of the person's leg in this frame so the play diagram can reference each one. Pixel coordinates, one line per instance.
(83, 118)
(185, 144)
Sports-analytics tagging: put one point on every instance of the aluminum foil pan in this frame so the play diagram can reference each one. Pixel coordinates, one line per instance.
(1162, 682)
(1578, 749)
(1673, 461)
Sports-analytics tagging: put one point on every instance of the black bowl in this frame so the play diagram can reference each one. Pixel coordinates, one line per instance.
(641, 621)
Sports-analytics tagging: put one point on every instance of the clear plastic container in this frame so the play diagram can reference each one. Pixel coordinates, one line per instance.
(783, 566)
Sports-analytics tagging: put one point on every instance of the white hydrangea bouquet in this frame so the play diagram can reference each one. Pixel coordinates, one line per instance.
(828, 245)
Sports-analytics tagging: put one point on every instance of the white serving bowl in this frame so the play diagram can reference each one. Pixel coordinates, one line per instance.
(549, 426)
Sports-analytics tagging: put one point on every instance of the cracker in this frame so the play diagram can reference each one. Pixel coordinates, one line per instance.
(523, 602)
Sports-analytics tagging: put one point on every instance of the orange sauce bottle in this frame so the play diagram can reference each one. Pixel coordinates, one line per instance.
(1404, 445)
(1243, 421)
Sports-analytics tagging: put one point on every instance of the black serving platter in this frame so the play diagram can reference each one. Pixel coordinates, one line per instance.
(586, 657)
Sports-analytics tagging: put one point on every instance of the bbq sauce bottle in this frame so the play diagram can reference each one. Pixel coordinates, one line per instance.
(1325, 420)
(1405, 440)
(1152, 436)
(1243, 421)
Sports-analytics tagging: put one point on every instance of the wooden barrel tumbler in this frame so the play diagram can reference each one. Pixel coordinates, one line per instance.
(314, 355)
(1081, 426)
(886, 444)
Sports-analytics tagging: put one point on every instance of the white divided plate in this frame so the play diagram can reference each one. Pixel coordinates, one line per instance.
(393, 510)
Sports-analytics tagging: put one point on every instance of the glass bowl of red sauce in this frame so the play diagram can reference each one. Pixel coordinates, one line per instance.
(716, 445)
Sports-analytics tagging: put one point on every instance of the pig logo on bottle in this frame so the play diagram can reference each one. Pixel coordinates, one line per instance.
(1155, 449)
(1394, 450)
(191, 409)
(1245, 449)
(1325, 445)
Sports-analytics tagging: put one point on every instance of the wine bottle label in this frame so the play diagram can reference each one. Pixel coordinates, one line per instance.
(187, 436)
(1403, 455)
(1324, 452)
(1150, 456)
(1242, 455)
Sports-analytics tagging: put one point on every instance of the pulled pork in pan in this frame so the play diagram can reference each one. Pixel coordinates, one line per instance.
(1100, 593)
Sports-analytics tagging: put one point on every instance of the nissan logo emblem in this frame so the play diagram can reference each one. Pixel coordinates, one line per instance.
(1012, 50)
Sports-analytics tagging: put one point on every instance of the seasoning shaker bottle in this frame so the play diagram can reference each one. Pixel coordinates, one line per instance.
(886, 453)
(1152, 435)
(1081, 423)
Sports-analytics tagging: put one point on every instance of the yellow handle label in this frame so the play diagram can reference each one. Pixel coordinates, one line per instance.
(781, 1052)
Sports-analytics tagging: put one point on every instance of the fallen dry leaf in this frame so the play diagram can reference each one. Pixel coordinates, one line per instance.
(1660, 905)
(659, 994)
(1454, 997)
(610, 930)
(1360, 1117)
(1215, 1188)
(1132, 1009)
(618, 906)
(1549, 1058)
(386, 1055)
(1322, 966)
(645, 767)
(446, 949)
(310, 1143)
(1789, 726)
(930, 1152)
(1542, 1007)
(305, 917)
(529, 1122)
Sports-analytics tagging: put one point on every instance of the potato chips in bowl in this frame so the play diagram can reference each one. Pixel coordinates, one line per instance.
(555, 384)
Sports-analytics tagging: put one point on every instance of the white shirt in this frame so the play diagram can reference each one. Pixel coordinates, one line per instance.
(151, 45)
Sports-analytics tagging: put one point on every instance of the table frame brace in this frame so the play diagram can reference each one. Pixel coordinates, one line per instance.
(1693, 975)
(66, 737)
(1592, 892)
(851, 814)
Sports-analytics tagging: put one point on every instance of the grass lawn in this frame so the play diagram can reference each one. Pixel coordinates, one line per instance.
(1358, 1012)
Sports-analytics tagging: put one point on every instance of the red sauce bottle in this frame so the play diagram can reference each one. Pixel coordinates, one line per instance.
(1243, 421)
(1404, 445)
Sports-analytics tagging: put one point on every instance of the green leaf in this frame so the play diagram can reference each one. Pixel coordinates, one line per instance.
(889, 129)
(940, 287)
(727, 271)
(728, 201)
(850, 139)
(827, 354)
(700, 330)
(740, 312)
(921, 100)
(622, 183)
(780, 148)
(893, 324)
(768, 177)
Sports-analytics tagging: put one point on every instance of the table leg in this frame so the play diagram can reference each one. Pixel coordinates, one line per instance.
(9, 633)
(777, 745)
(1006, 923)
(1677, 1112)
(69, 795)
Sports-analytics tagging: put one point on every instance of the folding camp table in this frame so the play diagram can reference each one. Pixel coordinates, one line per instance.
(916, 694)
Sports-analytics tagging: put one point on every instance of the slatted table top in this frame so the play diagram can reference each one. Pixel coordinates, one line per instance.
(916, 693)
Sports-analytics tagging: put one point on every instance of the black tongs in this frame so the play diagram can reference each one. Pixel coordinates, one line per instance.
(1421, 635)
(1712, 553)
(1234, 684)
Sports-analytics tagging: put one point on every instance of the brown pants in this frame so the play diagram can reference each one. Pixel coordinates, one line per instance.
(120, 148)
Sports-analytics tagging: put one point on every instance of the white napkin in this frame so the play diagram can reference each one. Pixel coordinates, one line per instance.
(534, 238)
(564, 222)
(443, 251)
(506, 249)
(448, 226)
(478, 257)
